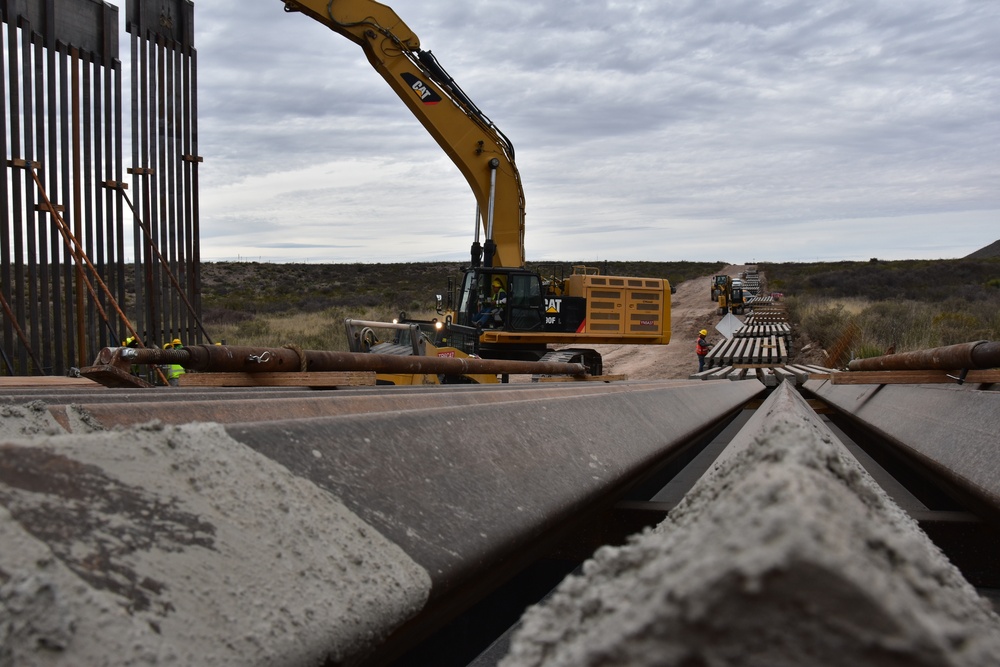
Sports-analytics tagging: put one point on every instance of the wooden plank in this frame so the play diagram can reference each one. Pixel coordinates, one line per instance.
(914, 377)
(306, 379)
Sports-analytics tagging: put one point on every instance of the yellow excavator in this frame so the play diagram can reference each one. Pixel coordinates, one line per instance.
(538, 315)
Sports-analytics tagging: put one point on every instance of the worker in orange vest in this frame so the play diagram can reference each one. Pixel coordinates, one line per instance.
(701, 349)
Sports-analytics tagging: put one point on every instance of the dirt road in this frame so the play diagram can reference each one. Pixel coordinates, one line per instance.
(691, 310)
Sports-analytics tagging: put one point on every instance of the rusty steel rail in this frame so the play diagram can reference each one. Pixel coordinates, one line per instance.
(471, 487)
(223, 358)
(950, 431)
(787, 530)
(976, 355)
(73, 410)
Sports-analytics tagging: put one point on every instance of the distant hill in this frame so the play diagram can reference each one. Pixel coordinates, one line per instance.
(992, 250)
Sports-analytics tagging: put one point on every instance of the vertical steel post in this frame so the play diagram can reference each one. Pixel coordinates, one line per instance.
(14, 92)
(62, 125)
(7, 344)
(194, 233)
(77, 214)
(32, 215)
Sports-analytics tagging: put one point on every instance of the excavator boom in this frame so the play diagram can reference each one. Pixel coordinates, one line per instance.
(482, 153)
(535, 312)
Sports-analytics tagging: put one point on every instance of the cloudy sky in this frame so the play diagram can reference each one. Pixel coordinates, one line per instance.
(728, 130)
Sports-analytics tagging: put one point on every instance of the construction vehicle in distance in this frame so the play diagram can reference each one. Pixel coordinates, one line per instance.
(737, 297)
(731, 296)
(720, 285)
(540, 313)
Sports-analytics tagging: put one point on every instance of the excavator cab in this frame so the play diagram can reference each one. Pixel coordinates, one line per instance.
(523, 309)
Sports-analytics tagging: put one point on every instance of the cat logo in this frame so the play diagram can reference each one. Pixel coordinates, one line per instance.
(553, 305)
(423, 91)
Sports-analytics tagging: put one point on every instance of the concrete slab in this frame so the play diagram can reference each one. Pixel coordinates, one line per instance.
(785, 553)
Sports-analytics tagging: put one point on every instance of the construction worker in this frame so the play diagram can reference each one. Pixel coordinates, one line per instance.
(173, 371)
(492, 311)
(132, 342)
(701, 349)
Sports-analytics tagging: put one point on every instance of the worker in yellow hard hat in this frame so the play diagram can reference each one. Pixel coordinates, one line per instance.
(494, 307)
(173, 371)
(701, 348)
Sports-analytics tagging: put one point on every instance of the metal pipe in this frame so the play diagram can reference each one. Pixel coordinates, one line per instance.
(227, 358)
(970, 356)
(382, 325)
(494, 163)
(490, 246)
(476, 230)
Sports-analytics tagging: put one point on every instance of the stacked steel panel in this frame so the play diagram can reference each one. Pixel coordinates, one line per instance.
(165, 169)
(65, 226)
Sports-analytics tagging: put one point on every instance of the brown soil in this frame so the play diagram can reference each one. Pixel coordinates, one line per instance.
(691, 310)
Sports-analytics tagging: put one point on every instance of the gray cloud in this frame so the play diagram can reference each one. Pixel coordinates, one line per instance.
(642, 129)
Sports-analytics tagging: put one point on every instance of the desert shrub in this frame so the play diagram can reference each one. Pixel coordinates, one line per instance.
(224, 316)
(951, 328)
(868, 351)
(255, 327)
(823, 324)
(917, 280)
(323, 330)
(899, 324)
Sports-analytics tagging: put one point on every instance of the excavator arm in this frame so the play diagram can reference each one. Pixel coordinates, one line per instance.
(482, 153)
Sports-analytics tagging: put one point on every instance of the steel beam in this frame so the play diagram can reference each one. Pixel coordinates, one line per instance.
(181, 406)
(469, 493)
(951, 431)
(785, 551)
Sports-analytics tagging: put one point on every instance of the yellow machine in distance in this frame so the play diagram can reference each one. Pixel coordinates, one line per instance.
(537, 314)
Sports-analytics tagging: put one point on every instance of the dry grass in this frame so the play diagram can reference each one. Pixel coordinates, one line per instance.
(902, 325)
(322, 330)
